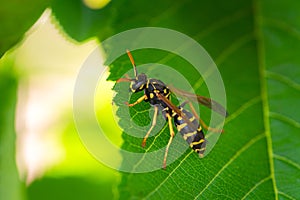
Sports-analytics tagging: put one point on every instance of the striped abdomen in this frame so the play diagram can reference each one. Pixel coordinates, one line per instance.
(192, 134)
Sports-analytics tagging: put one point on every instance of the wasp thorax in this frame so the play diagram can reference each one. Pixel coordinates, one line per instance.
(139, 83)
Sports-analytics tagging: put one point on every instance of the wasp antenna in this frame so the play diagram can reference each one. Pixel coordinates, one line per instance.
(132, 62)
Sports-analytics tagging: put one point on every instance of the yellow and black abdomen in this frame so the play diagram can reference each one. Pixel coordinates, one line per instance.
(192, 134)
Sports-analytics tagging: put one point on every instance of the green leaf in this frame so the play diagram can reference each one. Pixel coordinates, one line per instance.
(81, 22)
(11, 187)
(16, 18)
(69, 188)
(255, 45)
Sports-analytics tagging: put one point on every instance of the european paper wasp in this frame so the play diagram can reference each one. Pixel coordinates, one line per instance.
(187, 123)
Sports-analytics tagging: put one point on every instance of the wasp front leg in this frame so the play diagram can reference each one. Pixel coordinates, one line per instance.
(137, 101)
(152, 126)
(126, 79)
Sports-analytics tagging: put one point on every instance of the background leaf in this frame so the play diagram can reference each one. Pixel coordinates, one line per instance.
(14, 188)
(16, 17)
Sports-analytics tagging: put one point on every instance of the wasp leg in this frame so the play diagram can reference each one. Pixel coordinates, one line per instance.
(215, 130)
(152, 126)
(123, 80)
(127, 79)
(137, 101)
(170, 140)
(202, 122)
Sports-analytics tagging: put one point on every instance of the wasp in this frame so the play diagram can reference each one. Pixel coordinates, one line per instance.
(158, 95)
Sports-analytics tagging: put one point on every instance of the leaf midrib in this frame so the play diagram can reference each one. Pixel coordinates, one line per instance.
(258, 24)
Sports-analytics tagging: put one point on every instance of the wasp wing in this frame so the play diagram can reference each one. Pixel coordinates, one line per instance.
(215, 106)
(176, 110)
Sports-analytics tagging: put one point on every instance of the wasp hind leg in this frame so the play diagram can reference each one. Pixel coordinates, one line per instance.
(170, 140)
(202, 122)
(152, 126)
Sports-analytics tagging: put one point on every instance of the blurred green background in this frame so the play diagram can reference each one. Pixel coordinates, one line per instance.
(42, 156)
(43, 44)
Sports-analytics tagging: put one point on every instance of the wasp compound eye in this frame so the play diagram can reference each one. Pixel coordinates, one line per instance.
(142, 78)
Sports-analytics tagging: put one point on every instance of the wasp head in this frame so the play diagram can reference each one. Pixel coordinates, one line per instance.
(139, 83)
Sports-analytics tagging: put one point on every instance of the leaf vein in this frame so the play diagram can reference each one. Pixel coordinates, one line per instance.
(276, 23)
(169, 176)
(239, 111)
(285, 119)
(223, 55)
(256, 185)
(148, 149)
(237, 154)
(225, 21)
(213, 27)
(286, 195)
(242, 108)
(286, 160)
(283, 79)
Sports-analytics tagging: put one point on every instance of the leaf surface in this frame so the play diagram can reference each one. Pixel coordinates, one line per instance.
(11, 187)
(255, 45)
(16, 17)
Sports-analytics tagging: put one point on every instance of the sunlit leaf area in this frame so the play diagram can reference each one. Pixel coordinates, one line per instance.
(52, 105)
